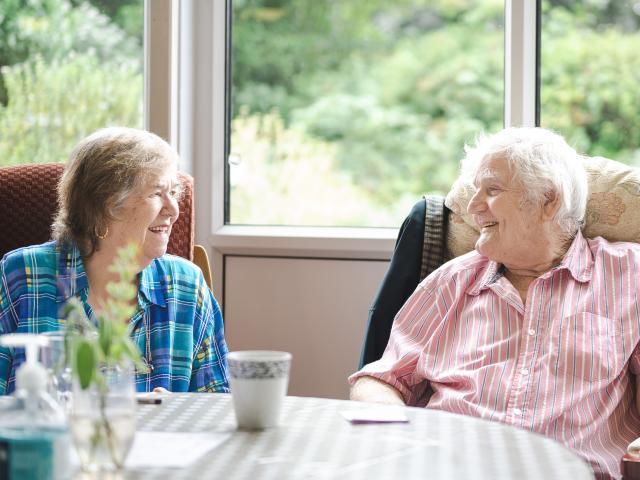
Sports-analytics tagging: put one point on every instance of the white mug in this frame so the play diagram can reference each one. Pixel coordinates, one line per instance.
(259, 381)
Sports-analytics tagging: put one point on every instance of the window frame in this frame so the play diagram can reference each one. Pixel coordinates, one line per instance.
(159, 74)
(196, 112)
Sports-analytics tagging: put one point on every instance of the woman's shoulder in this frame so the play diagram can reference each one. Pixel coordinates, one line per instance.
(27, 267)
(43, 256)
(173, 268)
(179, 279)
(176, 263)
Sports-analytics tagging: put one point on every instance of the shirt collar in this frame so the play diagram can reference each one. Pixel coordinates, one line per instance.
(491, 272)
(72, 278)
(578, 261)
(151, 282)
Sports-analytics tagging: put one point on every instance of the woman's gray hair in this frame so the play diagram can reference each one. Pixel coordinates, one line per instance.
(103, 170)
(541, 162)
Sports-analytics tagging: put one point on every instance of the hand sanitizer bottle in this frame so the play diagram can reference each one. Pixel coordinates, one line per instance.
(34, 438)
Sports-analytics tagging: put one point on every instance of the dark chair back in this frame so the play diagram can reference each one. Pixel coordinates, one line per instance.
(420, 249)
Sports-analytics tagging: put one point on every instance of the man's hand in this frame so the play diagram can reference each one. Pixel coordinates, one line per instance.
(160, 390)
(369, 389)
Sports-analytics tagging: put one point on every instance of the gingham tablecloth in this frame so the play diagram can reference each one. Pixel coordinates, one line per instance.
(315, 441)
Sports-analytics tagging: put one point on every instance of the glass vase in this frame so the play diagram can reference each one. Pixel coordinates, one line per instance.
(102, 420)
(53, 358)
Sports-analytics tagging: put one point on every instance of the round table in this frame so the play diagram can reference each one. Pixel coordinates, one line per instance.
(315, 441)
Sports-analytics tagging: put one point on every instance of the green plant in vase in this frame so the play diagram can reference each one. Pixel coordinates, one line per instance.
(102, 358)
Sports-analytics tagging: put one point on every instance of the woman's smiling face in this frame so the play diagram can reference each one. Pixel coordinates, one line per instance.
(147, 216)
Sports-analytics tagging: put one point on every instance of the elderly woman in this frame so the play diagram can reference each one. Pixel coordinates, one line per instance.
(538, 327)
(119, 187)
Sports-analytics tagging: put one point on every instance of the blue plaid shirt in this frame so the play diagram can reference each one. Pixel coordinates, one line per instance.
(188, 351)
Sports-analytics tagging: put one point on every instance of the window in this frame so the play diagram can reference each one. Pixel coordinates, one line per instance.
(344, 113)
(69, 67)
(590, 73)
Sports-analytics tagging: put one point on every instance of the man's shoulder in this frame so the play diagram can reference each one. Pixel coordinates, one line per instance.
(466, 266)
(600, 246)
(471, 261)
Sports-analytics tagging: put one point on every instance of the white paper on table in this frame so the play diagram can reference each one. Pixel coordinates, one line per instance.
(171, 449)
(377, 414)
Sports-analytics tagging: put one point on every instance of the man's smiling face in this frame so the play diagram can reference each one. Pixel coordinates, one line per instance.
(508, 228)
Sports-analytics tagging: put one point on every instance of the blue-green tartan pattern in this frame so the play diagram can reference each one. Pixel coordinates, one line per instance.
(188, 350)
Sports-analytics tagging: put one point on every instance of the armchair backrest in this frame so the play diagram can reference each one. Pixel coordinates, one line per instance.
(28, 199)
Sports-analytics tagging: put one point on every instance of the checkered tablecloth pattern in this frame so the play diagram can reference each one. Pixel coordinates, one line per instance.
(315, 441)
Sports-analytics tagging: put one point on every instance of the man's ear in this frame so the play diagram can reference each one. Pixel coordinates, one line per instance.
(551, 204)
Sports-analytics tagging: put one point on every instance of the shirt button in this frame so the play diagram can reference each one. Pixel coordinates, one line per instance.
(532, 331)
(517, 412)
(524, 371)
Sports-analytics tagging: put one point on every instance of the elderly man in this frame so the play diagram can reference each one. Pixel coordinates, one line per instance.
(538, 327)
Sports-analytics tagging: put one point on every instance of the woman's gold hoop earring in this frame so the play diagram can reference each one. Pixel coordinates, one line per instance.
(104, 235)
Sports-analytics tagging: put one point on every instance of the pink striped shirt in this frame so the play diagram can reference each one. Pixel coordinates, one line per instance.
(559, 365)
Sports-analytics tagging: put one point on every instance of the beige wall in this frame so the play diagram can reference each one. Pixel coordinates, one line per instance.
(314, 308)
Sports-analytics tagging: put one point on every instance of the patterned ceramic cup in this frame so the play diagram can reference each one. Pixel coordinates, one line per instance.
(259, 380)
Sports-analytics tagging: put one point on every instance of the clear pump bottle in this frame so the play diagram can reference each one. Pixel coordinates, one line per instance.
(34, 437)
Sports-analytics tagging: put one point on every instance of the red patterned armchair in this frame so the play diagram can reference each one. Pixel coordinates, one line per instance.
(29, 202)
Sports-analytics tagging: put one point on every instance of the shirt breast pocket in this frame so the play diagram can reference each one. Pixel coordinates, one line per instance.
(586, 347)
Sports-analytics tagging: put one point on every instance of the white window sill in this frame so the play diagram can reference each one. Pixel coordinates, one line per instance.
(317, 242)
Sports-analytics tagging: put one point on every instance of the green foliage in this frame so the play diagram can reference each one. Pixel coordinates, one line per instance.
(396, 89)
(418, 106)
(43, 120)
(281, 166)
(594, 14)
(130, 17)
(365, 105)
(85, 362)
(109, 345)
(396, 94)
(127, 14)
(590, 90)
(67, 70)
(55, 29)
(292, 46)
